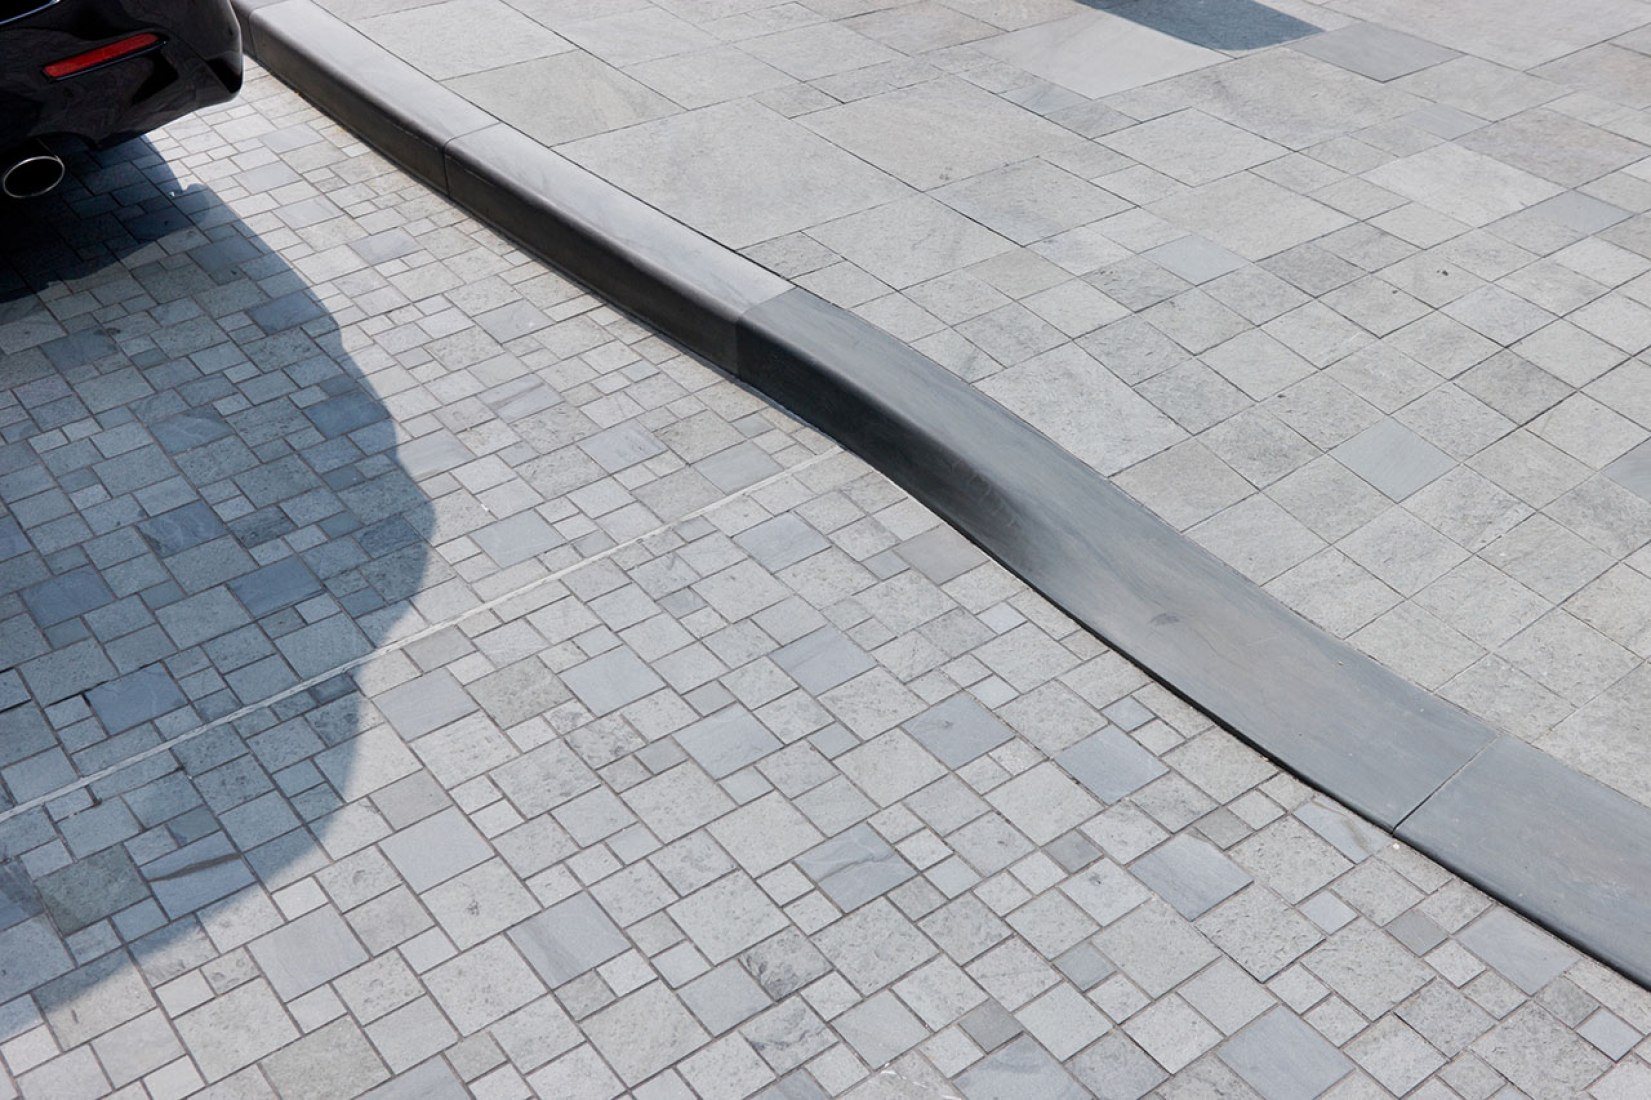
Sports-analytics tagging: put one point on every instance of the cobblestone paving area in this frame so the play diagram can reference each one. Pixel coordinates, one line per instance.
(715, 767)
(1355, 294)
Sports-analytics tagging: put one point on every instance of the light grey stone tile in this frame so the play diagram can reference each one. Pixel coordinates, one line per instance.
(1373, 50)
(235, 1029)
(562, 98)
(936, 132)
(1099, 53)
(644, 1032)
(568, 939)
(307, 952)
(461, 36)
(1281, 1056)
(679, 164)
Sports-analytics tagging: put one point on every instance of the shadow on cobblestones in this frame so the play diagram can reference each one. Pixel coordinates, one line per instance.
(201, 511)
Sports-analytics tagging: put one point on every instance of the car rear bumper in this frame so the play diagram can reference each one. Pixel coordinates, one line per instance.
(197, 63)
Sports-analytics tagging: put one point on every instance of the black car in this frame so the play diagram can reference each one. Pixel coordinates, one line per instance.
(104, 71)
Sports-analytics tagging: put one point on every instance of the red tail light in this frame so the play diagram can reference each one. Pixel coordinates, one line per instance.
(91, 59)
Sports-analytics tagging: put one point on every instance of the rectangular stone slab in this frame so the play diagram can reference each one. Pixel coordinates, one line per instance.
(1564, 849)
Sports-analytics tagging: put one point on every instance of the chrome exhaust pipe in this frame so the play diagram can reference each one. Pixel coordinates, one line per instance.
(29, 171)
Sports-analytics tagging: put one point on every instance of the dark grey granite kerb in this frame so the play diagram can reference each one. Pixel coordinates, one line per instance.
(1542, 837)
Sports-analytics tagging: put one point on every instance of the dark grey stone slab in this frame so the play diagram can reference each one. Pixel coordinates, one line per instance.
(67, 596)
(136, 698)
(1319, 707)
(674, 278)
(1564, 849)
(277, 585)
(958, 730)
(379, 96)
(182, 528)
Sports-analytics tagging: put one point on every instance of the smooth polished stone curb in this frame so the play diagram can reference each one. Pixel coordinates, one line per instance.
(1547, 840)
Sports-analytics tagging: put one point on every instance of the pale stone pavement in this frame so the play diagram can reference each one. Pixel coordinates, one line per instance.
(429, 680)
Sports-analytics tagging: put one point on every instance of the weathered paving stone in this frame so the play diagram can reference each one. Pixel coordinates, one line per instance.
(568, 939)
(308, 952)
(91, 889)
(855, 867)
(1279, 1055)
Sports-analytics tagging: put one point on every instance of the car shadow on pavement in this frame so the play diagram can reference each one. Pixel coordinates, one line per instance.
(202, 517)
(1215, 24)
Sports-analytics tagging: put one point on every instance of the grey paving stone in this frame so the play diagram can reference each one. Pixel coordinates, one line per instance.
(854, 867)
(1110, 764)
(517, 539)
(1114, 1068)
(880, 1029)
(94, 998)
(568, 939)
(823, 659)
(1525, 955)
(727, 917)
(678, 164)
(483, 985)
(435, 849)
(308, 952)
(724, 998)
(135, 698)
(874, 945)
(1190, 874)
(67, 596)
(911, 132)
(727, 741)
(196, 875)
(1021, 1068)
(1098, 53)
(910, 241)
(1282, 1058)
(88, 890)
(611, 681)
(331, 1060)
(958, 730)
(563, 97)
(1373, 50)
(1535, 1052)
(235, 1029)
(182, 528)
(644, 1032)
(1393, 459)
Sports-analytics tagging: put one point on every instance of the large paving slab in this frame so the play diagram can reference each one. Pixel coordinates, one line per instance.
(1356, 295)
(690, 757)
